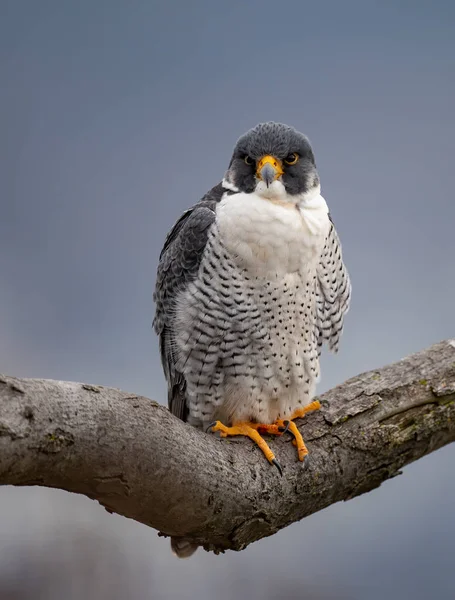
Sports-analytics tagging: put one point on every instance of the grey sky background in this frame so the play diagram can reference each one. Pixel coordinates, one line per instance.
(116, 116)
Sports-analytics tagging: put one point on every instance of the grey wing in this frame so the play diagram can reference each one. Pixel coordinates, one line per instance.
(178, 266)
(333, 292)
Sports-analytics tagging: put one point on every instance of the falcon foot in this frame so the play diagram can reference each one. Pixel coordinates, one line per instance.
(251, 430)
(290, 426)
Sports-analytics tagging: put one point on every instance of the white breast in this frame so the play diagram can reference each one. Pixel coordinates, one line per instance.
(273, 237)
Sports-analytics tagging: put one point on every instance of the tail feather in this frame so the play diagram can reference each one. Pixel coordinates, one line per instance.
(182, 547)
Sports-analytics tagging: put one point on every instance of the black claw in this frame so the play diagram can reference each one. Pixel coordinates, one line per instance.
(278, 466)
(210, 426)
(306, 461)
(286, 428)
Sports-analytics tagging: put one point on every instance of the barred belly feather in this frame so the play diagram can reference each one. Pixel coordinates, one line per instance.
(247, 337)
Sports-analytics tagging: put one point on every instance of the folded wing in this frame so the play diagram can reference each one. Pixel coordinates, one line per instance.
(333, 293)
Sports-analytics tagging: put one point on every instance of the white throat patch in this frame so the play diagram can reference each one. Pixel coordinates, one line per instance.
(275, 190)
(311, 205)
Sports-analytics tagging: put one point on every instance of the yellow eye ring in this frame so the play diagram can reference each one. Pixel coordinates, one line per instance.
(248, 160)
(291, 159)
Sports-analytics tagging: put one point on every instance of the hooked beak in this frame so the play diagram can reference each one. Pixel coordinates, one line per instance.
(269, 168)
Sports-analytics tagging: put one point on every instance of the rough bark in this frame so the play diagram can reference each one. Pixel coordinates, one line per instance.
(138, 460)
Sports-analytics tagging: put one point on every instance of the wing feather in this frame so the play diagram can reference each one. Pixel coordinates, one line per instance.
(333, 292)
(178, 266)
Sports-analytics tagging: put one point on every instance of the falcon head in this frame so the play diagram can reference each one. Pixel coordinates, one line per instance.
(276, 162)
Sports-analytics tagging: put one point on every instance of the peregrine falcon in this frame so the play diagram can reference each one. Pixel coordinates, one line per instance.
(250, 283)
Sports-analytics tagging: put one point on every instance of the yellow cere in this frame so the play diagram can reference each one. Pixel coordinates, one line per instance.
(273, 162)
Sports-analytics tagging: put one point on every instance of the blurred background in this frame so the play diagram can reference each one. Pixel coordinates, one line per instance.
(115, 116)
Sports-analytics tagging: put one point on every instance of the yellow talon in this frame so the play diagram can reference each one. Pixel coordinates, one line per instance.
(301, 412)
(298, 441)
(302, 450)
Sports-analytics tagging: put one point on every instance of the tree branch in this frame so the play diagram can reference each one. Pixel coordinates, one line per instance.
(138, 460)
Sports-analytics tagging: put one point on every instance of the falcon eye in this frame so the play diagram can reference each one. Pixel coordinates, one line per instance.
(291, 159)
(248, 160)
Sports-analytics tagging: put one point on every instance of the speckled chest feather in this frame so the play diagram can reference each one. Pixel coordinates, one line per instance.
(247, 342)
